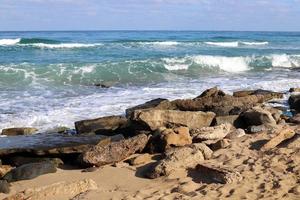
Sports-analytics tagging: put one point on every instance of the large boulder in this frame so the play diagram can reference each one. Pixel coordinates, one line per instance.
(258, 116)
(29, 171)
(19, 131)
(219, 103)
(235, 120)
(107, 152)
(294, 102)
(156, 104)
(176, 159)
(154, 119)
(103, 125)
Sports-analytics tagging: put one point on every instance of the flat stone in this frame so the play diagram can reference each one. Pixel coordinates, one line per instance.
(211, 133)
(19, 131)
(56, 144)
(140, 159)
(218, 174)
(282, 135)
(29, 171)
(64, 189)
(113, 152)
(154, 119)
(102, 125)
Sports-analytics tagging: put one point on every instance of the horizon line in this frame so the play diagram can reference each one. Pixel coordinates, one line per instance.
(147, 30)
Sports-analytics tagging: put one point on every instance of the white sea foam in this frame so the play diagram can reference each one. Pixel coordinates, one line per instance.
(7, 42)
(284, 60)
(173, 64)
(255, 43)
(236, 43)
(223, 44)
(63, 45)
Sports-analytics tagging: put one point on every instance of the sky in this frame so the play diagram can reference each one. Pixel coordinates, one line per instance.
(238, 15)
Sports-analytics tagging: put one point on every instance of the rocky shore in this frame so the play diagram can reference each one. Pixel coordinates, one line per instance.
(215, 146)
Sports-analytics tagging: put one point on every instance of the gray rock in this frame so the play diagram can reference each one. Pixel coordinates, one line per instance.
(4, 187)
(29, 171)
(294, 102)
(258, 116)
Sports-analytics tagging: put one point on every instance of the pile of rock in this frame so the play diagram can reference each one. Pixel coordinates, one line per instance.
(186, 132)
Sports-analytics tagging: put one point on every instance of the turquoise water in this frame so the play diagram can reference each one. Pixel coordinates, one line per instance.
(47, 78)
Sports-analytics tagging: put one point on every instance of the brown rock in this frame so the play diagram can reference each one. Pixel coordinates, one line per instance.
(237, 133)
(284, 134)
(266, 93)
(221, 144)
(155, 104)
(60, 190)
(211, 133)
(217, 174)
(176, 137)
(229, 119)
(212, 92)
(221, 104)
(109, 153)
(103, 125)
(258, 116)
(206, 151)
(176, 159)
(4, 169)
(154, 119)
(19, 131)
(140, 159)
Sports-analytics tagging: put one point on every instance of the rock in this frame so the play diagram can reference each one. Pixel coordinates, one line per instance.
(102, 126)
(229, 119)
(266, 93)
(295, 119)
(140, 159)
(4, 187)
(258, 116)
(237, 133)
(19, 131)
(56, 144)
(155, 104)
(21, 160)
(284, 134)
(154, 119)
(176, 159)
(294, 102)
(221, 144)
(176, 137)
(211, 133)
(212, 92)
(29, 171)
(219, 103)
(217, 174)
(256, 129)
(103, 85)
(206, 151)
(60, 190)
(112, 152)
(294, 90)
(4, 169)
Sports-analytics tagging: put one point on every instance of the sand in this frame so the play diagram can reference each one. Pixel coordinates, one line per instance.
(270, 175)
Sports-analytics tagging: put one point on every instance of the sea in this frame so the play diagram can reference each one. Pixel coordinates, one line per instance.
(51, 79)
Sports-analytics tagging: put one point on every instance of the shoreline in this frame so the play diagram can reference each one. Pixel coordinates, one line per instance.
(237, 141)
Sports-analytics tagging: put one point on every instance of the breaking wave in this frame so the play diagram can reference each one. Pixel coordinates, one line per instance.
(236, 44)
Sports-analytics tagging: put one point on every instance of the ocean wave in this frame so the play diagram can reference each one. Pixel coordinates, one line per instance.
(63, 45)
(7, 42)
(236, 44)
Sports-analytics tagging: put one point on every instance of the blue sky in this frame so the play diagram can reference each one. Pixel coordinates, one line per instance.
(268, 15)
